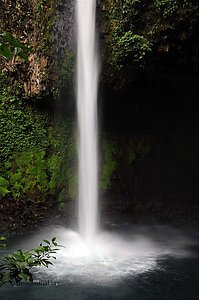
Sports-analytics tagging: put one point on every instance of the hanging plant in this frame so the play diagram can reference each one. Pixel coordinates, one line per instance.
(11, 47)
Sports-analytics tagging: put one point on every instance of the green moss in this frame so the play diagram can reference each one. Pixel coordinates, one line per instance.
(43, 45)
(27, 175)
(44, 12)
(67, 70)
(62, 199)
(53, 165)
(4, 186)
(72, 186)
(21, 128)
(119, 163)
(109, 165)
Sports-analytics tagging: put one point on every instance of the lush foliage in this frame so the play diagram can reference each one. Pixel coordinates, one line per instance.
(16, 266)
(4, 186)
(137, 29)
(37, 151)
(21, 128)
(130, 47)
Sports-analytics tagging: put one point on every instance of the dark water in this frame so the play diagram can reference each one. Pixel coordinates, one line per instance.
(175, 279)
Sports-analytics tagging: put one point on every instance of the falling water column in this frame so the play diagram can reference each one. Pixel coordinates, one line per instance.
(87, 79)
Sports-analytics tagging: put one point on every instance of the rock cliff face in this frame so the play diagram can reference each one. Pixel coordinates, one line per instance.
(138, 36)
(47, 27)
(133, 36)
(64, 28)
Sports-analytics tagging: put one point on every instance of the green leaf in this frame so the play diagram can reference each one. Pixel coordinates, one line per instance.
(7, 37)
(5, 51)
(47, 242)
(46, 248)
(24, 276)
(4, 191)
(22, 55)
(10, 47)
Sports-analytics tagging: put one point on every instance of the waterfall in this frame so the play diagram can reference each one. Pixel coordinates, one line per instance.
(87, 79)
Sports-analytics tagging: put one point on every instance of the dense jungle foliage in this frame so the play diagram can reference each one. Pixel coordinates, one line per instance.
(138, 31)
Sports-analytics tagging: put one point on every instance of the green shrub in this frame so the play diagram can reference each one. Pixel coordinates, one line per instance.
(27, 174)
(16, 267)
(130, 47)
(166, 7)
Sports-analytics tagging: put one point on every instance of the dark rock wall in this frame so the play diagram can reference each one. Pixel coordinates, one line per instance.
(47, 27)
(64, 27)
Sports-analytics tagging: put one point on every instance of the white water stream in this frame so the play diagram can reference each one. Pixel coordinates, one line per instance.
(87, 70)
